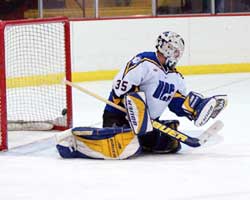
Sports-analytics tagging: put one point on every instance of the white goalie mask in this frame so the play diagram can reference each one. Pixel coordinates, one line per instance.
(171, 45)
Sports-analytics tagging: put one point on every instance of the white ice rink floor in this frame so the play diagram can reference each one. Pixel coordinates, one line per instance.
(32, 169)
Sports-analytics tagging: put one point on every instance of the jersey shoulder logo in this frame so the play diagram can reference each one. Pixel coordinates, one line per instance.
(136, 60)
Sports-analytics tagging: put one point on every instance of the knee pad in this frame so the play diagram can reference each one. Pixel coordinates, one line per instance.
(158, 142)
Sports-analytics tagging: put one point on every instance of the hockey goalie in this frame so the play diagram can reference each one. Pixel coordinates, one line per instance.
(147, 85)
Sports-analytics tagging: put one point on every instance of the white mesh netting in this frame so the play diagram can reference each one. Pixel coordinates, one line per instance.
(35, 64)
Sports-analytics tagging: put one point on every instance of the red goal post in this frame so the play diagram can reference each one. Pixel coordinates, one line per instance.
(34, 59)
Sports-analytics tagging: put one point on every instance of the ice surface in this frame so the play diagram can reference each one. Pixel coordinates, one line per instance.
(32, 169)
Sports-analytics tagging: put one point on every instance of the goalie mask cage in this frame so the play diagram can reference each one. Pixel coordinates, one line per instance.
(34, 59)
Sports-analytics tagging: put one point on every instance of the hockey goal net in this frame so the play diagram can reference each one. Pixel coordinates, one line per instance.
(34, 59)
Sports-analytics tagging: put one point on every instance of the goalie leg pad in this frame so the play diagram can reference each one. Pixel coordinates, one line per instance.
(138, 116)
(100, 143)
(67, 152)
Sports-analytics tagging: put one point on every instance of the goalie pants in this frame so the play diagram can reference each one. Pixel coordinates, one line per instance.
(153, 141)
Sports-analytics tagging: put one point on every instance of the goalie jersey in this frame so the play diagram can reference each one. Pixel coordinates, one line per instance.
(145, 73)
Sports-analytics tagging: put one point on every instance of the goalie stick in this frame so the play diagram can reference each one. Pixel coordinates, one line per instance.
(188, 140)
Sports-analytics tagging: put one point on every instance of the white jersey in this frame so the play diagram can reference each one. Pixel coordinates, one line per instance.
(146, 73)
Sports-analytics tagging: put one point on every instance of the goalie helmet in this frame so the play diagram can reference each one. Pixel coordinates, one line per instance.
(171, 46)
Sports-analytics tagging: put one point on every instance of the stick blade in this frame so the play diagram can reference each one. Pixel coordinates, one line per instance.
(211, 136)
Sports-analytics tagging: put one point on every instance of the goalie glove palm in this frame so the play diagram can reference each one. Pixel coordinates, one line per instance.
(204, 111)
